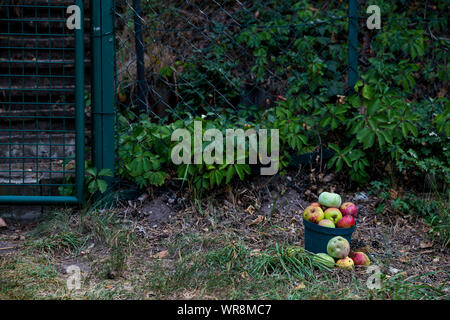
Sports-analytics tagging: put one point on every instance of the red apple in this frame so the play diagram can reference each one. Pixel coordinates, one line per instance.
(349, 209)
(360, 259)
(327, 223)
(313, 214)
(346, 222)
(316, 204)
(333, 214)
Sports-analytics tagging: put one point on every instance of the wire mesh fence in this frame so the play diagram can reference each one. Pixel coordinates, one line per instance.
(211, 57)
(323, 61)
(409, 52)
(38, 105)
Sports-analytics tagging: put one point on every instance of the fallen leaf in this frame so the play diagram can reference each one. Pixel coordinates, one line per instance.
(161, 255)
(300, 286)
(258, 220)
(394, 270)
(143, 197)
(328, 178)
(425, 245)
(251, 209)
(3, 223)
(393, 194)
(189, 295)
(150, 294)
(341, 99)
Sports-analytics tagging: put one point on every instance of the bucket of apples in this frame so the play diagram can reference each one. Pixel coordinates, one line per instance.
(327, 219)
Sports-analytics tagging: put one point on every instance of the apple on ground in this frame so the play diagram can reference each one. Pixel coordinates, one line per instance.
(330, 200)
(360, 259)
(346, 222)
(345, 263)
(333, 214)
(324, 259)
(349, 209)
(327, 223)
(338, 247)
(313, 214)
(316, 204)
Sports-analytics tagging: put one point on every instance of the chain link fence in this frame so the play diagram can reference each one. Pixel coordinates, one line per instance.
(212, 57)
(186, 59)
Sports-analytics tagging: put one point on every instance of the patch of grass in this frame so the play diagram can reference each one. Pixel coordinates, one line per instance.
(68, 240)
(433, 208)
(232, 271)
(29, 277)
(201, 266)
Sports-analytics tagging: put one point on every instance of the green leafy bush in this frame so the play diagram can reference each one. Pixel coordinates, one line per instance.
(395, 123)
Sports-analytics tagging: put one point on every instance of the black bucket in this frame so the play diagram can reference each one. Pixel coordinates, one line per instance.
(317, 237)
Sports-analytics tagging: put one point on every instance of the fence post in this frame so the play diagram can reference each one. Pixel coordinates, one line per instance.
(103, 84)
(80, 105)
(352, 44)
(140, 68)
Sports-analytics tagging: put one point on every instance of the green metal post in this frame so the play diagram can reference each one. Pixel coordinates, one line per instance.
(352, 44)
(103, 85)
(79, 103)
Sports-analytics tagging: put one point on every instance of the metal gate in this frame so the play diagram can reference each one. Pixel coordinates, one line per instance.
(41, 103)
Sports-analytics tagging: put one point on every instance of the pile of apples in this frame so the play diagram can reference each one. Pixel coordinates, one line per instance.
(338, 252)
(330, 213)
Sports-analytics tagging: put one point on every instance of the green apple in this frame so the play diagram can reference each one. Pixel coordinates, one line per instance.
(338, 247)
(330, 200)
(324, 259)
(333, 214)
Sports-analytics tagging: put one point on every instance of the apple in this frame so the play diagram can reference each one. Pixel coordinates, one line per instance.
(338, 247)
(324, 259)
(333, 214)
(346, 222)
(316, 204)
(327, 223)
(345, 263)
(313, 214)
(331, 200)
(360, 259)
(349, 209)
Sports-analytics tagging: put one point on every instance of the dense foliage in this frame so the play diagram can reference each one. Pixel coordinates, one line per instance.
(294, 53)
